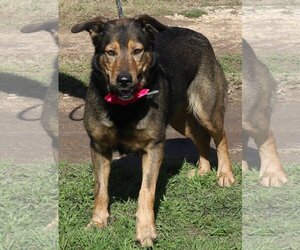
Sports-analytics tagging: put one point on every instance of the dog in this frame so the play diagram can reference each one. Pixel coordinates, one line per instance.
(259, 90)
(146, 75)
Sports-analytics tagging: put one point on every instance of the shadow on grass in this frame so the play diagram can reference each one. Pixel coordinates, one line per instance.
(71, 86)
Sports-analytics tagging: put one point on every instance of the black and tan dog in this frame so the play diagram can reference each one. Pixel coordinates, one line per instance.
(146, 75)
(259, 90)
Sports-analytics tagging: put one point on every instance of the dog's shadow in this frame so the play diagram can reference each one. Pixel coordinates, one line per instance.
(253, 159)
(126, 173)
(71, 86)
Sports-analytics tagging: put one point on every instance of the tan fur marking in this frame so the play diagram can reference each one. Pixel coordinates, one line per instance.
(224, 172)
(101, 164)
(145, 225)
(137, 63)
(186, 124)
(125, 60)
(111, 64)
(271, 170)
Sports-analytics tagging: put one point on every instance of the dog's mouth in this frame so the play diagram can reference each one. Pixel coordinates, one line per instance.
(126, 94)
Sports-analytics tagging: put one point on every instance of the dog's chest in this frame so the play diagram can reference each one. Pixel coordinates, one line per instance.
(131, 140)
(127, 138)
(123, 139)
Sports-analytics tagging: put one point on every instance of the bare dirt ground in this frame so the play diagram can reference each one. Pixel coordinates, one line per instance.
(222, 27)
(23, 139)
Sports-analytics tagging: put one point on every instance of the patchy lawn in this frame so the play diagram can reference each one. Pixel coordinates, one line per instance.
(271, 215)
(191, 213)
(28, 203)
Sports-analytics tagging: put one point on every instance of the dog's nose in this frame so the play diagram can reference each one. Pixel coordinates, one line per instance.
(124, 80)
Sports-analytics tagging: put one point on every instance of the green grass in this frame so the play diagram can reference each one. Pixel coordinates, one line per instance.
(191, 213)
(28, 202)
(285, 68)
(232, 66)
(231, 63)
(36, 66)
(77, 66)
(193, 13)
(271, 215)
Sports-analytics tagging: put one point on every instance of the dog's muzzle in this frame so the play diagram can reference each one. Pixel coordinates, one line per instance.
(126, 93)
(125, 86)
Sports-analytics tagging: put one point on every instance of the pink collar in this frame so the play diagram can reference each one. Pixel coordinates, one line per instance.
(114, 99)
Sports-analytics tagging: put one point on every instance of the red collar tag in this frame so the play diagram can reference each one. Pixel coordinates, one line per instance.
(114, 99)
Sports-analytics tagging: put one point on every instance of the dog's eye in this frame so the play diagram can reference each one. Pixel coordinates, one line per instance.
(137, 51)
(111, 53)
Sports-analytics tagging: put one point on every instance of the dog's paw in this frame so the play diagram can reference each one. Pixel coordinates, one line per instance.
(226, 179)
(191, 173)
(203, 171)
(146, 235)
(99, 223)
(276, 179)
(200, 172)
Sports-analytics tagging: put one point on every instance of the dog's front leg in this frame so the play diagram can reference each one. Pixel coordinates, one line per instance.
(101, 161)
(145, 225)
(271, 171)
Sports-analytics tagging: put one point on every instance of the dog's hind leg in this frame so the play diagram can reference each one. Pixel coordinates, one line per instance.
(186, 124)
(208, 110)
(224, 173)
(202, 141)
(101, 162)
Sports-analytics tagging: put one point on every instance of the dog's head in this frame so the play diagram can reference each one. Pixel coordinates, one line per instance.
(123, 50)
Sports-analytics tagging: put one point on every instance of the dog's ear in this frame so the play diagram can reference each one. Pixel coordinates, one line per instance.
(93, 26)
(151, 25)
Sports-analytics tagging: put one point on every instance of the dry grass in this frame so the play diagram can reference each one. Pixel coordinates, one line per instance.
(72, 11)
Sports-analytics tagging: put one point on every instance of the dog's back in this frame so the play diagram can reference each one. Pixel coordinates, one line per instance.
(193, 71)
